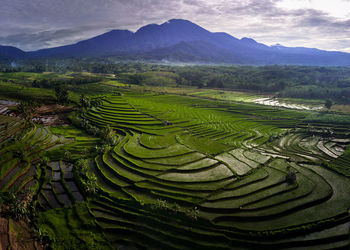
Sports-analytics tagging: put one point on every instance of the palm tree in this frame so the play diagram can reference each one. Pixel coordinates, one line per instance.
(26, 110)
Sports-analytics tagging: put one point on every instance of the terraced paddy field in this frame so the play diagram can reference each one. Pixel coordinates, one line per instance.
(31, 183)
(189, 173)
(20, 149)
(59, 188)
(185, 173)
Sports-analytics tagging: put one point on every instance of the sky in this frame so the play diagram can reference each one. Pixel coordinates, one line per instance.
(36, 24)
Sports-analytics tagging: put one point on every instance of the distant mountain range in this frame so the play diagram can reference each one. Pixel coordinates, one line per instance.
(180, 40)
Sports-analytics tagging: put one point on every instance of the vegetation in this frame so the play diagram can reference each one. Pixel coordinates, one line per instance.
(134, 168)
(283, 81)
(61, 94)
(328, 104)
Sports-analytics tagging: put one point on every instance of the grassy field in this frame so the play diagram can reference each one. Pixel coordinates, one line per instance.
(17, 92)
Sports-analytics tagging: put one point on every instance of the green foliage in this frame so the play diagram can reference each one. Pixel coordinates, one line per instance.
(87, 179)
(328, 104)
(84, 101)
(109, 136)
(82, 165)
(44, 161)
(193, 213)
(20, 153)
(290, 176)
(282, 81)
(174, 208)
(16, 205)
(322, 117)
(62, 94)
(26, 110)
(67, 156)
(90, 184)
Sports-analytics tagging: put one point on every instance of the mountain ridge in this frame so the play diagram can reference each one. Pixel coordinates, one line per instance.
(187, 42)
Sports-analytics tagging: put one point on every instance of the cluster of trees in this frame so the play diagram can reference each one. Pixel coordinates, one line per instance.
(87, 179)
(284, 81)
(53, 82)
(61, 94)
(152, 78)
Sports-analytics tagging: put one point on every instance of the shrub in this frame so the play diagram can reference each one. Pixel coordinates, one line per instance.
(82, 165)
(44, 161)
(67, 155)
(291, 176)
(20, 153)
(328, 104)
(90, 184)
(109, 136)
(193, 213)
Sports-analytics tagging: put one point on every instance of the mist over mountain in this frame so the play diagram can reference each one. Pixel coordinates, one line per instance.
(180, 40)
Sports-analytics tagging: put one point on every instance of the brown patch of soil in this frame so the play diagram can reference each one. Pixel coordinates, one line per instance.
(51, 115)
(53, 109)
(3, 234)
(21, 236)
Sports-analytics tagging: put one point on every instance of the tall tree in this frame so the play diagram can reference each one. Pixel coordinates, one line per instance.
(61, 94)
(328, 104)
(26, 110)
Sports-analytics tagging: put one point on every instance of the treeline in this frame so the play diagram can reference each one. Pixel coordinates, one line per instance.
(53, 82)
(283, 81)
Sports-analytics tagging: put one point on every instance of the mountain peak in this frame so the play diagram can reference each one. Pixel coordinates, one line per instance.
(148, 27)
(172, 22)
(248, 40)
(181, 24)
(180, 21)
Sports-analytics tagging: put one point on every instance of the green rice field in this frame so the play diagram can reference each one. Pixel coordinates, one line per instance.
(220, 172)
(184, 173)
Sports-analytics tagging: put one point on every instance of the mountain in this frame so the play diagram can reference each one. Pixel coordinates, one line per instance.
(109, 43)
(183, 41)
(145, 39)
(10, 53)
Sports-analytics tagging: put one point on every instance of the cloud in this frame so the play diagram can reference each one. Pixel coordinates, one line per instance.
(37, 24)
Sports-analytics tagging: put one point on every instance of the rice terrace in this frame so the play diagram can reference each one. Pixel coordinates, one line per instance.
(170, 136)
(144, 169)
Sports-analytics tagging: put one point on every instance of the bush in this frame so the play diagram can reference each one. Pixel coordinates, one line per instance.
(82, 165)
(44, 161)
(16, 207)
(67, 155)
(291, 177)
(90, 184)
(20, 153)
(109, 136)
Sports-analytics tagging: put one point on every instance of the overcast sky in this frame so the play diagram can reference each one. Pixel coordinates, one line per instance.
(35, 24)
